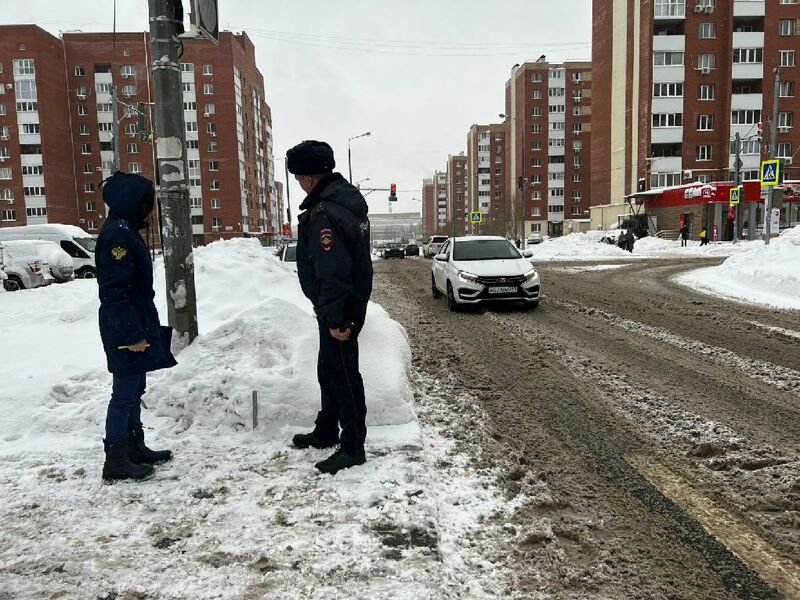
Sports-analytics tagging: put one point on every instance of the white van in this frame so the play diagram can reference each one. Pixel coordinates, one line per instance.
(73, 240)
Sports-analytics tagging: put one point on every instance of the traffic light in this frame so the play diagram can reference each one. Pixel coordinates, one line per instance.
(393, 192)
(760, 130)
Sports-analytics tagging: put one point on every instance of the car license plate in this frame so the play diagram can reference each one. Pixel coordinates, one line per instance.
(502, 289)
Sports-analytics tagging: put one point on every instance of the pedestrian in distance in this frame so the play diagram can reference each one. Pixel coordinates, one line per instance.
(630, 240)
(133, 338)
(335, 271)
(621, 240)
(684, 235)
(704, 236)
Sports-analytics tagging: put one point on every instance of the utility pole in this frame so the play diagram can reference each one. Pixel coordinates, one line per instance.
(115, 128)
(166, 23)
(737, 225)
(773, 151)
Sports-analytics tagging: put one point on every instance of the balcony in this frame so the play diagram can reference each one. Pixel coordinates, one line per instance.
(747, 71)
(669, 43)
(667, 105)
(666, 164)
(746, 101)
(748, 8)
(666, 135)
(669, 74)
(748, 39)
(33, 139)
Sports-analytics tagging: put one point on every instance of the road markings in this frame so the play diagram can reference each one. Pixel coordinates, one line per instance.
(779, 330)
(753, 550)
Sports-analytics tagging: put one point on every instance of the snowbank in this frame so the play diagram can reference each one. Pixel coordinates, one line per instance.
(575, 246)
(767, 275)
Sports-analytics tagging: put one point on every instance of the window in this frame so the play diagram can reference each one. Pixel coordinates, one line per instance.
(210, 109)
(577, 95)
(666, 59)
(191, 126)
(537, 94)
(787, 2)
(577, 127)
(83, 130)
(213, 147)
(192, 144)
(536, 128)
(101, 88)
(30, 148)
(1, 68)
(4, 153)
(748, 55)
(216, 203)
(536, 178)
(211, 129)
(131, 129)
(745, 117)
(667, 119)
(129, 90)
(670, 8)
(208, 89)
(35, 190)
(216, 222)
(127, 71)
(208, 69)
(555, 208)
(786, 58)
(5, 173)
(88, 187)
(535, 162)
(659, 180)
(577, 145)
(29, 128)
(555, 92)
(576, 77)
(706, 91)
(555, 142)
(667, 90)
(556, 108)
(32, 170)
(556, 74)
(134, 167)
(6, 194)
(104, 107)
(705, 122)
(86, 148)
(187, 67)
(784, 149)
(557, 125)
(708, 31)
(82, 110)
(80, 71)
(105, 126)
(190, 106)
(27, 106)
(785, 120)
(187, 86)
(133, 148)
(91, 224)
(747, 147)
(213, 165)
(215, 184)
(556, 177)
(197, 219)
(8, 215)
(577, 110)
(536, 111)
(4, 132)
(536, 211)
(786, 27)
(703, 152)
(536, 145)
(576, 161)
(195, 202)
(786, 89)
(706, 61)
(24, 66)
(26, 89)
(536, 77)
(576, 178)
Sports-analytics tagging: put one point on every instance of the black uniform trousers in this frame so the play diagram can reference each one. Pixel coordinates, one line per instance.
(342, 391)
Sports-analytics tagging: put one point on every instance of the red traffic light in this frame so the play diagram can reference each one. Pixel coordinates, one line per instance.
(393, 188)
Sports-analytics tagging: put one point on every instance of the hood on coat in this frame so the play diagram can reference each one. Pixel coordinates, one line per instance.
(335, 189)
(123, 193)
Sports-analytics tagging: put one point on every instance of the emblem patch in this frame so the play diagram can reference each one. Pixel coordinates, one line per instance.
(326, 239)
(118, 252)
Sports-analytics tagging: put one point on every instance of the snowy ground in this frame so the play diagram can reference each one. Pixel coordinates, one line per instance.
(237, 514)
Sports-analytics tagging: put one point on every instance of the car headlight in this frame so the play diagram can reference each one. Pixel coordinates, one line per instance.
(530, 275)
(466, 276)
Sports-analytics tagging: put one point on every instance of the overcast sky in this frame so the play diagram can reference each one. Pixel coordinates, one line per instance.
(415, 73)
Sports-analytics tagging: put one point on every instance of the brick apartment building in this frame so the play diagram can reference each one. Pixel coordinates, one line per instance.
(675, 81)
(548, 113)
(429, 222)
(56, 123)
(442, 205)
(457, 193)
(486, 178)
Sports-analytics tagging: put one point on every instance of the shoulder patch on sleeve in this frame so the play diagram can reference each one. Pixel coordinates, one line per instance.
(326, 238)
(119, 253)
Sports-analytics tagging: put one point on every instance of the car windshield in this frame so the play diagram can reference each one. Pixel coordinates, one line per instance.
(438, 239)
(291, 254)
(484, 250)
(87, 243)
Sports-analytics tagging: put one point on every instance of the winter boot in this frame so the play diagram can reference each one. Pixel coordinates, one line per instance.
(314, 440)
(341, 459)
(118, 466)
(140, 454)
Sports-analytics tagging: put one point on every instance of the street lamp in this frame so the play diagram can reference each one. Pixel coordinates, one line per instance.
(358, 183)
(349, 160)
(522, 185)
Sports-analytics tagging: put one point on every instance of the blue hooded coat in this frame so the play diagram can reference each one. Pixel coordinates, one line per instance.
(125, 280)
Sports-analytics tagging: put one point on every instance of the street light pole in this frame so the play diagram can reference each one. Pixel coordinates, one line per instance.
(773, 151)
(522, 183)
(349, 157)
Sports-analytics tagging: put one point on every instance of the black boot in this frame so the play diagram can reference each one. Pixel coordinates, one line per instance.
(118, 465)
(140, 454)
(341, 459)
(314, 440)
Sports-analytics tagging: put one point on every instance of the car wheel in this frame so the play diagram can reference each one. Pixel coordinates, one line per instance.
(452, 304)
(13, 284)
(89, 274)
(434, 290)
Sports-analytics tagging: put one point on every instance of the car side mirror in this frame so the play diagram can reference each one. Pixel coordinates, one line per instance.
(441, 257)
(527, 253)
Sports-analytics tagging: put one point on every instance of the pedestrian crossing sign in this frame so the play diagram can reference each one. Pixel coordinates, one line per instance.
(770, 172)
(736, 197)
(475, 216)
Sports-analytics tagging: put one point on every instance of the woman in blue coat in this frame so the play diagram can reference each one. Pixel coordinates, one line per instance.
(133, 338)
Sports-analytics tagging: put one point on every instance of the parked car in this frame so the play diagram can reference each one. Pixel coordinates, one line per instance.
(431, 247)
(393, 251)
(475, 269)
(287, 253)
(535, 238)
(412, 250)
(77, 243)
(22, 267)
(56, 264)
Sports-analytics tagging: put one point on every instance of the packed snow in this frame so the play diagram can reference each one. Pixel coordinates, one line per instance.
(766, 274)
(237, 513)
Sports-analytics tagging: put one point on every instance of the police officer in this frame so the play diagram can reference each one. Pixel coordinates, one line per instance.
(335, 271)
(133, 339)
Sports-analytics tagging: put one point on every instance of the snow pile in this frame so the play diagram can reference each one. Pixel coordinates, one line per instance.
(764, 274)
(575, 246)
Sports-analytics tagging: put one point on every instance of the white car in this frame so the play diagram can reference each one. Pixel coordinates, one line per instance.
(475, 269)
(288, 255)
(431, 247)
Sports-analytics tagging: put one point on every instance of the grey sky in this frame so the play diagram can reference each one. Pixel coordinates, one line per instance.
(409, 73)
